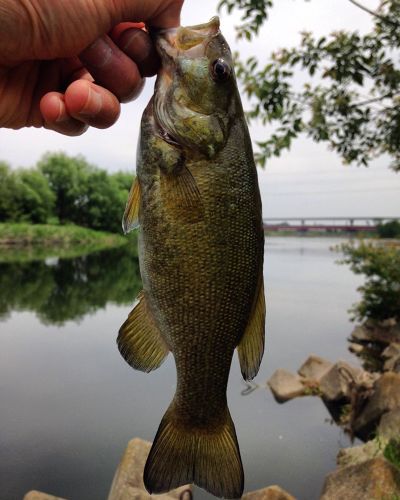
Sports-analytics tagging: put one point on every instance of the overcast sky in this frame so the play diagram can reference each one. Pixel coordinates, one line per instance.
(309, 180)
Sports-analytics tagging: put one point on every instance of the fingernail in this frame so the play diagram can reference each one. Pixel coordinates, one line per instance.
(93, 104)
(61, 115)
(98, 54)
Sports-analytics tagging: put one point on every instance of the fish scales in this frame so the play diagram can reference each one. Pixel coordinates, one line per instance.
(201, 253)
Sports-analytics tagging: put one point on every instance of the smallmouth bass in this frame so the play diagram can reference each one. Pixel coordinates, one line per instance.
(201, 245)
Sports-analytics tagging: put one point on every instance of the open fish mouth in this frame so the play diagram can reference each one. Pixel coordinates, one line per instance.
(171, 42)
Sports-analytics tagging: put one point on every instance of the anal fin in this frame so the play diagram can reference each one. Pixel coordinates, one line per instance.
(251, 346)
(130, 219)
(139, 340)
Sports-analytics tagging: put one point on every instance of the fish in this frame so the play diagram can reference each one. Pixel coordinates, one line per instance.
(197, 204)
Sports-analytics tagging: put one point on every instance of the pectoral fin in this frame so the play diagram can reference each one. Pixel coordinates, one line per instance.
(251, 346)
(130, 219)
(139, 340)
(182, 196)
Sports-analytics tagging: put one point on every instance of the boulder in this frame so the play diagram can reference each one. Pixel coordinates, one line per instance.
(128, 478)
(392, 357)
(374, 479)
(356, 348)
(385, 397)
(361, 334)
(335, 384)
(383, 333)
(38, 495)
(391, 351)
(359, 454)
(314, 368)
(270, 493)
(389, 425)
(285, 385)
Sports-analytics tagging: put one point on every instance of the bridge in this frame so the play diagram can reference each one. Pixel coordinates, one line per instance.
(324, 224)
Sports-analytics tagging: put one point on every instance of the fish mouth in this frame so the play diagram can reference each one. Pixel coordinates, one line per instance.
(189, 39)
(190, 42)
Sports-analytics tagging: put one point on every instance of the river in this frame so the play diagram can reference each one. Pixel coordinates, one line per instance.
(69, 403)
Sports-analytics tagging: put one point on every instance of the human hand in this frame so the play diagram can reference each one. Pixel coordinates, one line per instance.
(66, 65)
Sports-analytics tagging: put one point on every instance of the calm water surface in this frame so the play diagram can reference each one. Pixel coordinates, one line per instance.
(69, 403)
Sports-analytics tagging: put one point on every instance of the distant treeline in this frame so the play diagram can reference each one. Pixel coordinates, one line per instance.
(64, 189)
(389, 229)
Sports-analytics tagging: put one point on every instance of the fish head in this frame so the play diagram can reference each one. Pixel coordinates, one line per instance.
(196, 91)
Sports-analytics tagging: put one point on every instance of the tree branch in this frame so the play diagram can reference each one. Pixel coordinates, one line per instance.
(375, 14)
(374, 99)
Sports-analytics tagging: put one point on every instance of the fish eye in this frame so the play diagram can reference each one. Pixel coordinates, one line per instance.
(221, 70)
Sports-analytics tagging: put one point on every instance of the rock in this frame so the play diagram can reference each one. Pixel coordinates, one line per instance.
(389, 425)
(128, 478)
(361, 334)
(356, 348)
(392, 357)
(383, 333)
(385, 397)
(373, 479)
(38, 495)
(391, 351)
(335, 384)
(388, 323)
(359, 454)
(285, 385)
(270, 493)
(314, 368)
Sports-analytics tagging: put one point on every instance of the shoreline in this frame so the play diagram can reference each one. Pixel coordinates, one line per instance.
(23, 235)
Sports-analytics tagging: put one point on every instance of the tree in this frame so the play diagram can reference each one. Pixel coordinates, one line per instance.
(34, 198)
(85, 194)
(25, 195)
(380, 294)
(389, 229)
(8, 206)
(355, 107)
(68, 177)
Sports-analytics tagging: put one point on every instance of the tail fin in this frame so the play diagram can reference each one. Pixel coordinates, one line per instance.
(208, 458)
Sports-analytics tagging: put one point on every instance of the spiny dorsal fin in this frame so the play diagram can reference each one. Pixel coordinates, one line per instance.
(130, 219)
(139, 340)
(182, 196)
(251, 346)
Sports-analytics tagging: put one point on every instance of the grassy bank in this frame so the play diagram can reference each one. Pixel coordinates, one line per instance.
(32, 238)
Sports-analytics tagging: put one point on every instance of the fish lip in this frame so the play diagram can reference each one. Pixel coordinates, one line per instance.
(172, 42)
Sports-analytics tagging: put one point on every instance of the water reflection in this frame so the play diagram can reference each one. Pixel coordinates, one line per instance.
(62, 289)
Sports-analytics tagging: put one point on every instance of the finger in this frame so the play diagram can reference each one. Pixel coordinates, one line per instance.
(138, 45)
(72, 69)
(56, 117)
(112, 69)
(91, 104)
(156, 13)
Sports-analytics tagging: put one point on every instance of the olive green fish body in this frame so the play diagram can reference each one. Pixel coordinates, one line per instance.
(201, 254)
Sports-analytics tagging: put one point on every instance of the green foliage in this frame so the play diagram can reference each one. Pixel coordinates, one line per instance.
(392, 452)
(68, 178)
(25, 195)
(380, 294)
(389, 229)
(85, 194)
(23, 234)
(351, 99)
(64, 189)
